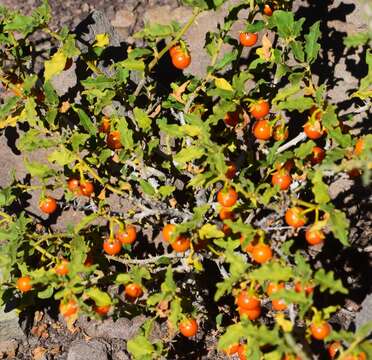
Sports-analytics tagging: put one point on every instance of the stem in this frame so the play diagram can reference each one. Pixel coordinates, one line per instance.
(214, 251)
(355, 343)
(194, 94)
(44, 252)
(304, 203)
(52, 33)
(144, 261)
(93, 67)
(175, 40)
(296, 349)
(300, 137)
(98, 178)
(166, 48)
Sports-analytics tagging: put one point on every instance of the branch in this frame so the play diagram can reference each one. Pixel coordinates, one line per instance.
(296, 349)
(300, 137)
(151, 260)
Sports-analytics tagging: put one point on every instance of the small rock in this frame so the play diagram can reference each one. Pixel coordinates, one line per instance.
(120, 355)
(339, 186)
(109, 329)
(65, 80)
(365, 314)
(123, 18)
(161, 15)
(9, 326)
(85, 7)
(92, 350)
(8, 348)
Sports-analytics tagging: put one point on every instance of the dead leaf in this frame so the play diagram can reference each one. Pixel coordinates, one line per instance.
(155, 112)
(64, 107)
(38, 316)
(102, 194)
(265, 51)
(173, 203)
(115, 158)
(55, 350)
(38, 353)
(177, 94)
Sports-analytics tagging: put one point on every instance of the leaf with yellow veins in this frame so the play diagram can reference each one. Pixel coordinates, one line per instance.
(285, 324)
(102, 40)
(223, 84)
(55, 65)
(9, 121)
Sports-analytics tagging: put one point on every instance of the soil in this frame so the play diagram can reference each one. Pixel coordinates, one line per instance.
(46, 335)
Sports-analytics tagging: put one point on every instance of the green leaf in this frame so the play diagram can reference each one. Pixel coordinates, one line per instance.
(46, 293)
(311, 45)
(227, 59)
(78, 251)
(300, 104)
(291, 296)
(38, 169)
(298, 51)
(21, 23)
(77, 140)
(7, 107)
(123, 279)
(232, 335)
(175, 312)
(305, 149)
(170, 129)
(303, 270)
(254, 27)
(271, 271)
(29, 113)
(223, 288)
(270, 192)
(32, 140)
(223, 84)
(51, 97)
(365, 330)
(188, 154)
(85, 121)
(158, 31)
(285, 23)
(62, 156)
(6, 196)
(126, 134)
(166, 190)
(284, 93)
(327, 281)
(140, 347)
(320, 189)
(329, 118)
(339, 225)
(84, 222)
(169, 286)
(100, 297)
(132, 64)
(357, 39)
(101, 82)
(147, 187)
(209, 231)
(344, 140)
(143, 120)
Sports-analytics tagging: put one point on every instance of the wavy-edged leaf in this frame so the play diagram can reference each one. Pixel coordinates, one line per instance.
(328, 282)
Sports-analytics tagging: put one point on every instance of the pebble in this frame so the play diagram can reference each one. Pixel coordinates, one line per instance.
(82, 350)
